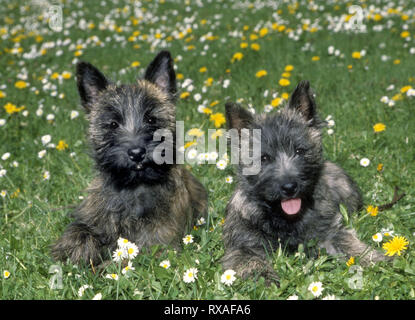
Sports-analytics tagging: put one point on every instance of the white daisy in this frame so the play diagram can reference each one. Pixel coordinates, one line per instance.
(191, 154)
(5, 156)
(293, 297)
(188, 239)
(2, 122)
(6, 274)
(98, 296)
(228, 277)
(46, 139)
(190, 275)
(113, 276)
(41, 154)
(316, 288)
(226, 83)
(131, 250)
(377, 237)
(3, 172)
(197, 97)
(165, 264)
(122, 243)
(118, 255)
(201, 221)
(213, 156)
(82, 289)
(74, 114)
(46, 175)
(229, 179)
(221, 164)
(127, 268)
(364, 162)
(384, 99)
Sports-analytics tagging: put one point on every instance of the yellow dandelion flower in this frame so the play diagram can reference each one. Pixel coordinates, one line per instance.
(54, 75)
(179, 76)
(356, 55)
(350, 261)
(62, 145)
(216, 134)
(315, 58)
(2, 94)
(396, 61)
(21, 84)
(189, 144)
(380, 167)
(276, 102)
(263, 32)
(284, 82)
(289, 68)
(261, 73)
(406, 88)
(218, 119)
(66, 75)
(253, 37)
(135, 64)
(379, 127)
(237, 57)
(286, 75)
(208, 82)
(372, 210)
(255, 47)
(281, 28)
(243, 45)
(405, 34)
(12, 108)
(207, 110)
(395, 246)
(202, 69)
(184, 95)
(285, 95)
(195, 132)
(397, 97)
(214, 103)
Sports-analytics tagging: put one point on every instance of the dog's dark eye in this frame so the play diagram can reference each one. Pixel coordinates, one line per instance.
(113, 125)
(300, 151)
(265, 158)
(150, 120)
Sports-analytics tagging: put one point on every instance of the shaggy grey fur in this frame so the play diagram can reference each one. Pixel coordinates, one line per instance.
(132, 196)
(292, 167)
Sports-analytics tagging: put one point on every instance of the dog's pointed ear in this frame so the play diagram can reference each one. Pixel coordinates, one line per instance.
(238, 117)
(90, 83)
(161, 72)
(302, 100)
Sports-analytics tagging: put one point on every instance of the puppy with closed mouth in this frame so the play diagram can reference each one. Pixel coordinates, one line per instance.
(134, 195)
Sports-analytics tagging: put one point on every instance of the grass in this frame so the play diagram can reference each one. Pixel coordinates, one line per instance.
(34, 211)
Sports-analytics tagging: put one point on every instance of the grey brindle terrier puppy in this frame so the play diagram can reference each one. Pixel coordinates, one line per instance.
(132, 196)
(296, 195)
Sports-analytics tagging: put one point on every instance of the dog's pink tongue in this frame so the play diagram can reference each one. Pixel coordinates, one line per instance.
(291, 206)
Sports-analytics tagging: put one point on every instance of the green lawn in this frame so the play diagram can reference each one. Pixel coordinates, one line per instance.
(38, 94)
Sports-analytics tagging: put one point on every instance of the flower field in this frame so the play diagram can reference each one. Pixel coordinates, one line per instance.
(359, 58)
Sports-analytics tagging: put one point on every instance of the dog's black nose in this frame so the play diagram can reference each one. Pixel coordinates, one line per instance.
(289, 189)
(137, 154)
